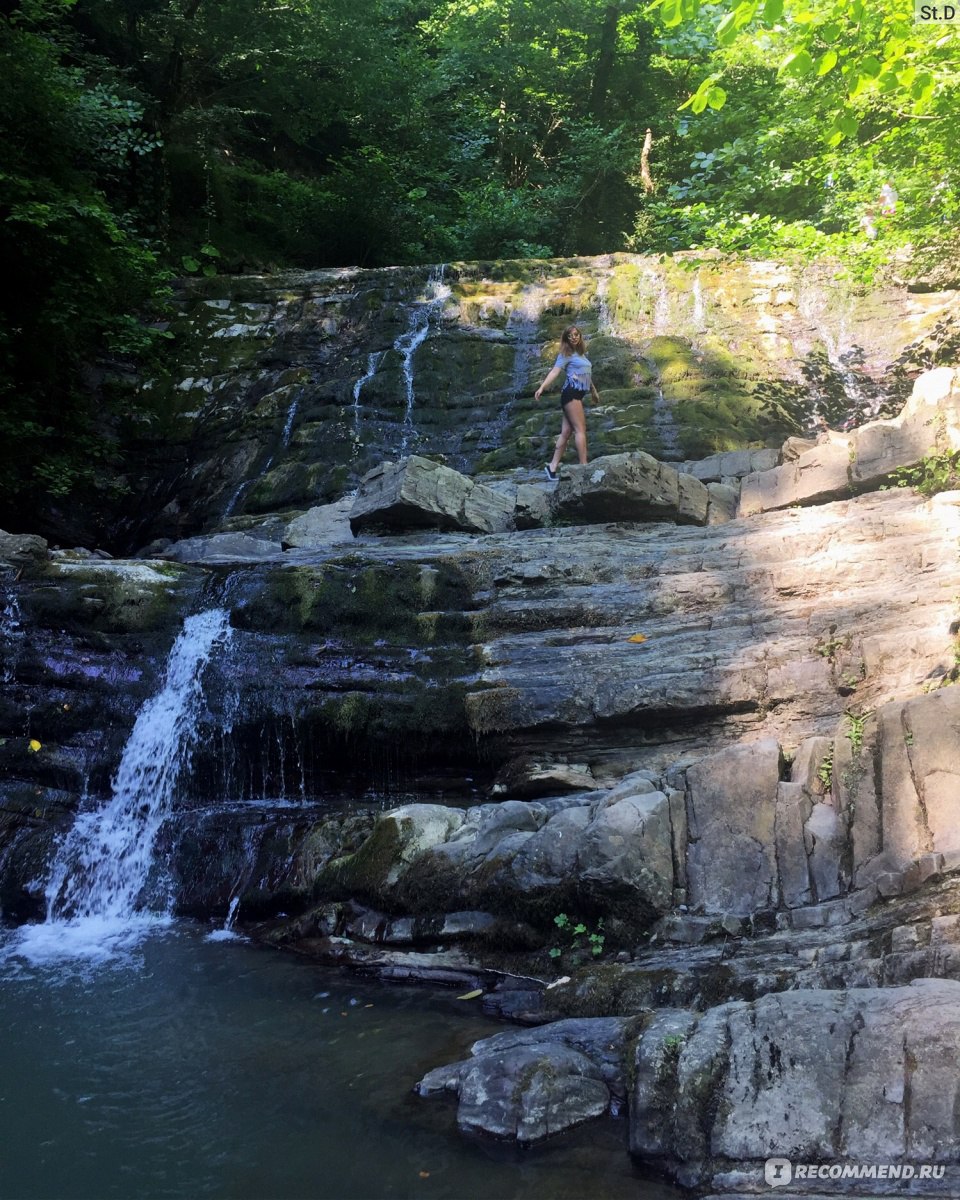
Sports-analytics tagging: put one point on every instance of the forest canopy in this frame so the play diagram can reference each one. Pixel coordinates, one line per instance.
(146, 139)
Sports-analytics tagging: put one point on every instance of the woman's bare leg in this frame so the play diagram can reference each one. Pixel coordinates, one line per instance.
(565, 430)
(574, 415)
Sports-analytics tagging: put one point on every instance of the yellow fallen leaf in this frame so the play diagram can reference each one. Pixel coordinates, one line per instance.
(34, 745)
(637, 637)
(471, 995)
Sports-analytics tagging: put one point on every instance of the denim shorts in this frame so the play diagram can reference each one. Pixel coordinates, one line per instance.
(570, 393)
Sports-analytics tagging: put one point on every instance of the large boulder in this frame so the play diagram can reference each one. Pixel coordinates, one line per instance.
(18, 550)
(416, 493)
(629, 487)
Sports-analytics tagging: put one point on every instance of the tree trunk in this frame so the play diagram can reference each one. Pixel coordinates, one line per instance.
(605, 60)
(645, 177)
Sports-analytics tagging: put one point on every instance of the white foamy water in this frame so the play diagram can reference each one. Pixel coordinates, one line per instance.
(94, 895)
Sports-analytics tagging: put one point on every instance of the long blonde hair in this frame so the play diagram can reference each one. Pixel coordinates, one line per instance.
(566, 341)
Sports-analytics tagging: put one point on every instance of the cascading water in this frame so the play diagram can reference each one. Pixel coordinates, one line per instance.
(522, 326)
(95, 895)
(12, 635)
(247, 484)
(699, 316)
(854, 398)
(422, 316)
(373, 365)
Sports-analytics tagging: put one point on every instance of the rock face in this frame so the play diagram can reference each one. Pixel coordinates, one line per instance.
(864, 1076)
(703, 778)
(531, 1085)
(418, 494)
(287, 390)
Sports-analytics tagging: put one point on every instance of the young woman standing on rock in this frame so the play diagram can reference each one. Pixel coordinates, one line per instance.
(572, 362)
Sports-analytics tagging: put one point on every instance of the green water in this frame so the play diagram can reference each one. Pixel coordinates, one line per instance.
(194, 1069)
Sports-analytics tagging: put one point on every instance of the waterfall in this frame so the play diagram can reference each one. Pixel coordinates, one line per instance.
(605, 322)
(522, 326)
(857, 396)
(247, 484)
(227, 933)
(423, 314)
(373, 363)
(12, 636)
(661, 311)
(699, 307)
(95, 893)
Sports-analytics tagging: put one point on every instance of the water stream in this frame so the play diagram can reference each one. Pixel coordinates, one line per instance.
(247, 484)
(97, 901)
(423, 315)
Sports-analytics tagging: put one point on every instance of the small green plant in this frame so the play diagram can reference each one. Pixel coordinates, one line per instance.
(204, 262)
(908, 738)
(831, 644)
(932, 474)
(578, 936)
(674, 1041)
(825, 770)
(854, 730)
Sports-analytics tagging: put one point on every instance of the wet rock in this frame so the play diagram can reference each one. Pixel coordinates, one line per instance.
(416, 493)
(223, 548)
(19, 550)
(528, 1085)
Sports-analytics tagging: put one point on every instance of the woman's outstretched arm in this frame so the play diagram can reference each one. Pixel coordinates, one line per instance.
(553, 374)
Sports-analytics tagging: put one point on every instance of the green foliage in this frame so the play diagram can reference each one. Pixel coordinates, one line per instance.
(854, 731)
(578, 937)
(825, 770)
(932, 474)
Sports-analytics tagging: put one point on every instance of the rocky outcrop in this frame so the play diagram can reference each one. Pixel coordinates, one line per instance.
(863, 1076)
(286, 390)
(859, 461)
(416, 493)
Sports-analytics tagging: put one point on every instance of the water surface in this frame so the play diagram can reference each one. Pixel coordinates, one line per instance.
(187, 1069)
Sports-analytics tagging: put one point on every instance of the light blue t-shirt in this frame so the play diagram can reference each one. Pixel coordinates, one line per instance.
(578, 369)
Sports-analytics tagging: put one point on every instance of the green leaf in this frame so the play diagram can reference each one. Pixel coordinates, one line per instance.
(716, 97)
(772, 10)
(210, 251)
(209, 270)
(827, 62)
(870, 66)
(835, 138)
(189, 263)
(796, 64)
(554, 952)
(727, 29)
